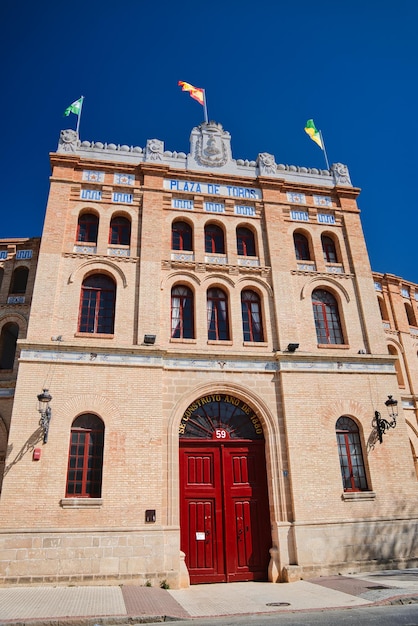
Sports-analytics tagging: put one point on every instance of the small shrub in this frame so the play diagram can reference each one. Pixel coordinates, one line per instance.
(164, 584)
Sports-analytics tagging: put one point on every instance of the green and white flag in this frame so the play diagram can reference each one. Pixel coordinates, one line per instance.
(75, 107)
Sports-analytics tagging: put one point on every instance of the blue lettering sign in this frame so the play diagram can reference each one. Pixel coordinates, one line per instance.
(187, 185)
(213, 189)
(241, 192)
(24, 254)
(3, 254)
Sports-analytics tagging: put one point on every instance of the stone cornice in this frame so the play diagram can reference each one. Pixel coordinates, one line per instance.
(153, 356)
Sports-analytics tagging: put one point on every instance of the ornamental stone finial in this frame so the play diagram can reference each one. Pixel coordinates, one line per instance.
(68, 141)
(341, 174)
(266, 164)
(154, 150)
(210, 146)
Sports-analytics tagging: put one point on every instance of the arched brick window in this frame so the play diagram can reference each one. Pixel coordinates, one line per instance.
(120, 231)
(181, 236)
(245, 242)
(399, 375)
(383, 309)
(217, 311)
(214, 239)
(8, 340)
(301, 247)
(97, 305)
(19, 280)
(87, 228)
(182, 313)
(327, 318)
(3, 448)
(252, 326)
(351, 456)
(85, 458)
(329, 249)
(410, 314)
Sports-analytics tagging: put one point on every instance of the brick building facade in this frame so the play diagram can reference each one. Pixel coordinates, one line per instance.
(210, 336)
(18, 261)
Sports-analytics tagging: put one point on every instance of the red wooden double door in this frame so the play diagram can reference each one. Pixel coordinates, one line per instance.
(224, 512)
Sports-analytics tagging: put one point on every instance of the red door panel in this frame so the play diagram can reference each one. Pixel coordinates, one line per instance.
(224, 513)
(200, 547)
(201, 513)
(247, 532)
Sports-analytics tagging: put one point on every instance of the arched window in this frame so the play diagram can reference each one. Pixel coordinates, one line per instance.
(351, 456)
(327, 318)
(383, 310)
(87, 228)
(181, 236)
(19, 280)
(85, 458)
(120, 231)
(214, 239)
(182, 313)
(414, 458)
(410, 314)
(393, 351)
(8, 339)
(97, 305)
(252, 326)
(301, 247)
(329, 250)
(245, 242)
(3, 448)
(217, 309)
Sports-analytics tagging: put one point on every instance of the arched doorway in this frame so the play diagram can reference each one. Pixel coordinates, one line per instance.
(224, 511)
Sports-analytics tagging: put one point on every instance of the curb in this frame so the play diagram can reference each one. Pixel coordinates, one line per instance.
(98, 621)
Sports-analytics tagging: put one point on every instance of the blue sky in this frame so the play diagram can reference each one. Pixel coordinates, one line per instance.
(267, 67)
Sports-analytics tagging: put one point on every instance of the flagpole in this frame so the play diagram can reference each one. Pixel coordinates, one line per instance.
(79, 116)
(205, 106)
(325, 152)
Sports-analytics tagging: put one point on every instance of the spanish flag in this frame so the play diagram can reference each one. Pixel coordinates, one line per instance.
(195, 92)
(313, 133)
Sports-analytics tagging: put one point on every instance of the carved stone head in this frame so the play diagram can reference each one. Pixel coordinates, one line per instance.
(68, 141)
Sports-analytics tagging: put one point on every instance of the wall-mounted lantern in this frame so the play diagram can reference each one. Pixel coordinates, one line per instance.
(44, 409)
(382, 425)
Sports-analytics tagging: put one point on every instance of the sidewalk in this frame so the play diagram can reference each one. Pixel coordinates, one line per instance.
(85, 606)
